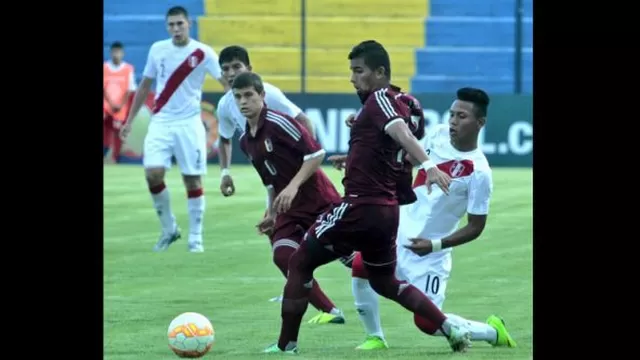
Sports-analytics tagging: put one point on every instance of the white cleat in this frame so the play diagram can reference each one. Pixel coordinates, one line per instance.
(459, 338)
(166, 240)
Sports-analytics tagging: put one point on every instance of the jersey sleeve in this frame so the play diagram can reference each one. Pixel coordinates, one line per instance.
(278, 101)
(150, 70)
(289, 132)
(480, 190)
(226, 127)
(211, 64)
(384, 110)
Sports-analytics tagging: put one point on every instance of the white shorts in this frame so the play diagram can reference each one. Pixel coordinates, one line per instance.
(186, 140)
(428, 273)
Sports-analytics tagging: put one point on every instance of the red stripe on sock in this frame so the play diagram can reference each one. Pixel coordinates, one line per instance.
(195, 193)
(157, 188)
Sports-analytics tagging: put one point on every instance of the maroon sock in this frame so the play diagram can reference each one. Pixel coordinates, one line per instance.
(425, 325)
(408, 296)
(295, 299)
(317, 297)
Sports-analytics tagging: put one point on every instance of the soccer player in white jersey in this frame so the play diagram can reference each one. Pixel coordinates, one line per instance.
(178, 65)
(428, 228)
(234, 60)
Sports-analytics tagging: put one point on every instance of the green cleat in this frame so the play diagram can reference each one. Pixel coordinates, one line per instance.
(504, 339)
(326, 318)
(373, 343)
(274, 349)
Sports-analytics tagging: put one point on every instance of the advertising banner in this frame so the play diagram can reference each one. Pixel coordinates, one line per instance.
(507, 138)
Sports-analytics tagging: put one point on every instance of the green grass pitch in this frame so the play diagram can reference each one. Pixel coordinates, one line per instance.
(233, 280)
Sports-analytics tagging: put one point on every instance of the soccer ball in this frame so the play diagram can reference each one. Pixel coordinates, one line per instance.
(190, 335)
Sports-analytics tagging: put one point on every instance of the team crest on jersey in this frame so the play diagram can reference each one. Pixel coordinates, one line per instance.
(268, 145)
(457, 168)
(193, 61)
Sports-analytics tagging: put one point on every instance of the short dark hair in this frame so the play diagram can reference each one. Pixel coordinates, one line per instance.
(477, 97)
(248, 79)
(177, 10)
(373, 54)
(116, 45)
(234, 52)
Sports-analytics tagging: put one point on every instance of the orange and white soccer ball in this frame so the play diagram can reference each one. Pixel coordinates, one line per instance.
(191, 335)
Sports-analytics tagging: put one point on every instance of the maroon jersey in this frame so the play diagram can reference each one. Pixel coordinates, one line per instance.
(277, 152)
(404, 189)
(374, 162)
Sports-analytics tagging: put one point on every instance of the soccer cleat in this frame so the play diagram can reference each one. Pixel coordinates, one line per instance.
(276, 299)
(166, 240)
(373, 342)
(326, 318)
(196, 248)
(274, 349)
(504, 339)
(459, 338)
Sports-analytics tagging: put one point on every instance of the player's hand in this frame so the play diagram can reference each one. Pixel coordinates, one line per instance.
(265, 226)
(420, 247)
(283, 201)
(350, 120)
(338, 161)
(226, 186)
(438, 177)
(125, 130)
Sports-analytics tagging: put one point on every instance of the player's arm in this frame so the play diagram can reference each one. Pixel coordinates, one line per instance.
(278, 101)
(131, 90)
(389, 116)
(139, 98)
(212, 67)
(226, 130)
(301, 144)
(271, 196)
(480, 190)
(148, 74)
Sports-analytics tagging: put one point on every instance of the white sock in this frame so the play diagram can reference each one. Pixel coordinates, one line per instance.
(195, 205)
(479, 331)
(162, 204)
(367, 306)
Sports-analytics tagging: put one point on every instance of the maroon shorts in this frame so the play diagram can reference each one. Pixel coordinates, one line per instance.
(289, 230)
(369, 229)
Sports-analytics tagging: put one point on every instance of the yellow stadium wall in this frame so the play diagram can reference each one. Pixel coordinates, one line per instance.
(271, 30)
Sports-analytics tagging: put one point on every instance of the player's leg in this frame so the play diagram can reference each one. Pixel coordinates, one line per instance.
(107, 135)
(310, 255)
(431, 274)
(158, 147)
(282, 249)
(191, 156)
(379, 258)
(117, 142)
(367, 306)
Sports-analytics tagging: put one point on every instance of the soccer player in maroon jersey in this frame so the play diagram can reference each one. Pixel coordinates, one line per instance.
(367, 218)
(287, 159)
(404, 186)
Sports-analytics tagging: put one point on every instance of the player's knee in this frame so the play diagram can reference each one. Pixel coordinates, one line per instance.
(192, 182)
(357, 267)
(154, 176)
(424, 325)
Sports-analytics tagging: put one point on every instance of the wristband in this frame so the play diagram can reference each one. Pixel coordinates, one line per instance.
(224, 172)
(428, 165)
(436, 245)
